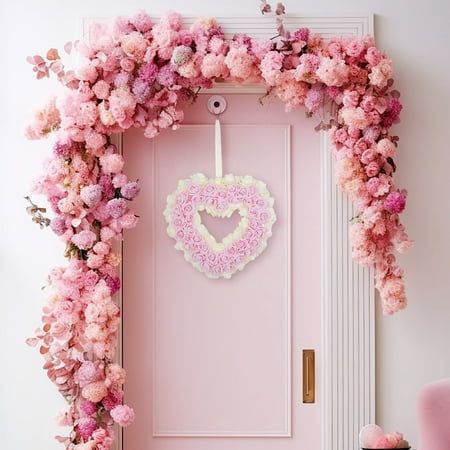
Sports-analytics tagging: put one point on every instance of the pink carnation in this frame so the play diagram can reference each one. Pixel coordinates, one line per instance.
(86, 426)
(122, 415)
(87, 408)
(113, 399)
(395, 202)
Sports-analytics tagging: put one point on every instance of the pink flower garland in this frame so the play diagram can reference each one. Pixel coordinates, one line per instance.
(135, 73)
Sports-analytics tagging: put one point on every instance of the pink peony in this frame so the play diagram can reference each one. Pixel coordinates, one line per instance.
(373, 56)
(386, 148)
(333, 71)
(381, 73)
(213, 66)
(354, 117)
(134, 45)
(122, 415)
(379, 186)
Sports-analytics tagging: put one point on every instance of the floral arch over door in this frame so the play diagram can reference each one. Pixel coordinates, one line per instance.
(137, 73)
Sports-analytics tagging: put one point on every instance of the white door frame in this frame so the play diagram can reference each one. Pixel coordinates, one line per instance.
(347, 365)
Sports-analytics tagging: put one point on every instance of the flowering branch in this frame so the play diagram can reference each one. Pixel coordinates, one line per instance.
(36, 214)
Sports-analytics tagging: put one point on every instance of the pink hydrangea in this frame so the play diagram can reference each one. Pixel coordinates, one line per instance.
(239, 62)
(315, 98)
(95, 391)
(112, 163)
(91, 195)
(58, 225)
(117, 207)
(122, 415)
(84, 240)
(271, 66)
(142, 21)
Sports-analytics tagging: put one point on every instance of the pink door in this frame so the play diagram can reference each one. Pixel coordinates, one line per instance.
(216, 364)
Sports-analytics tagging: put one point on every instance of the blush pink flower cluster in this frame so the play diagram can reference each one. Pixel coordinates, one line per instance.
(136, 73)
(373, 437)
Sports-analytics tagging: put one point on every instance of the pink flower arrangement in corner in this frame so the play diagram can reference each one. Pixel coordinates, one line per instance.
(372, 437)
(137, 73)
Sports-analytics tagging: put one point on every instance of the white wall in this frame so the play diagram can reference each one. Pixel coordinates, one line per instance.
(412, 346)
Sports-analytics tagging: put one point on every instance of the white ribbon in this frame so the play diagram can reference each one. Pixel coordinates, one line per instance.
(218, 149)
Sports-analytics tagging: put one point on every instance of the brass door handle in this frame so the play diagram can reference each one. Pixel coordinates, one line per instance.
(309, 376)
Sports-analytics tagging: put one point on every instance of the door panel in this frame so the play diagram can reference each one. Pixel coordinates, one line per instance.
(215, 364)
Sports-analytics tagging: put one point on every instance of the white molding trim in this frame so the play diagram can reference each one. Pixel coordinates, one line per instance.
(348, 322)
(348, 319)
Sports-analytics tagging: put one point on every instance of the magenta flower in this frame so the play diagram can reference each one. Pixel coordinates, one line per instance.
(86, 426)
(395, 202)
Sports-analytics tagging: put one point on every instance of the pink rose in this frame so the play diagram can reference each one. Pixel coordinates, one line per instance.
(372, 169)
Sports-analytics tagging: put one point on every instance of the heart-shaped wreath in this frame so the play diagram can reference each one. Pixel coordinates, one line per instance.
(220, 197)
